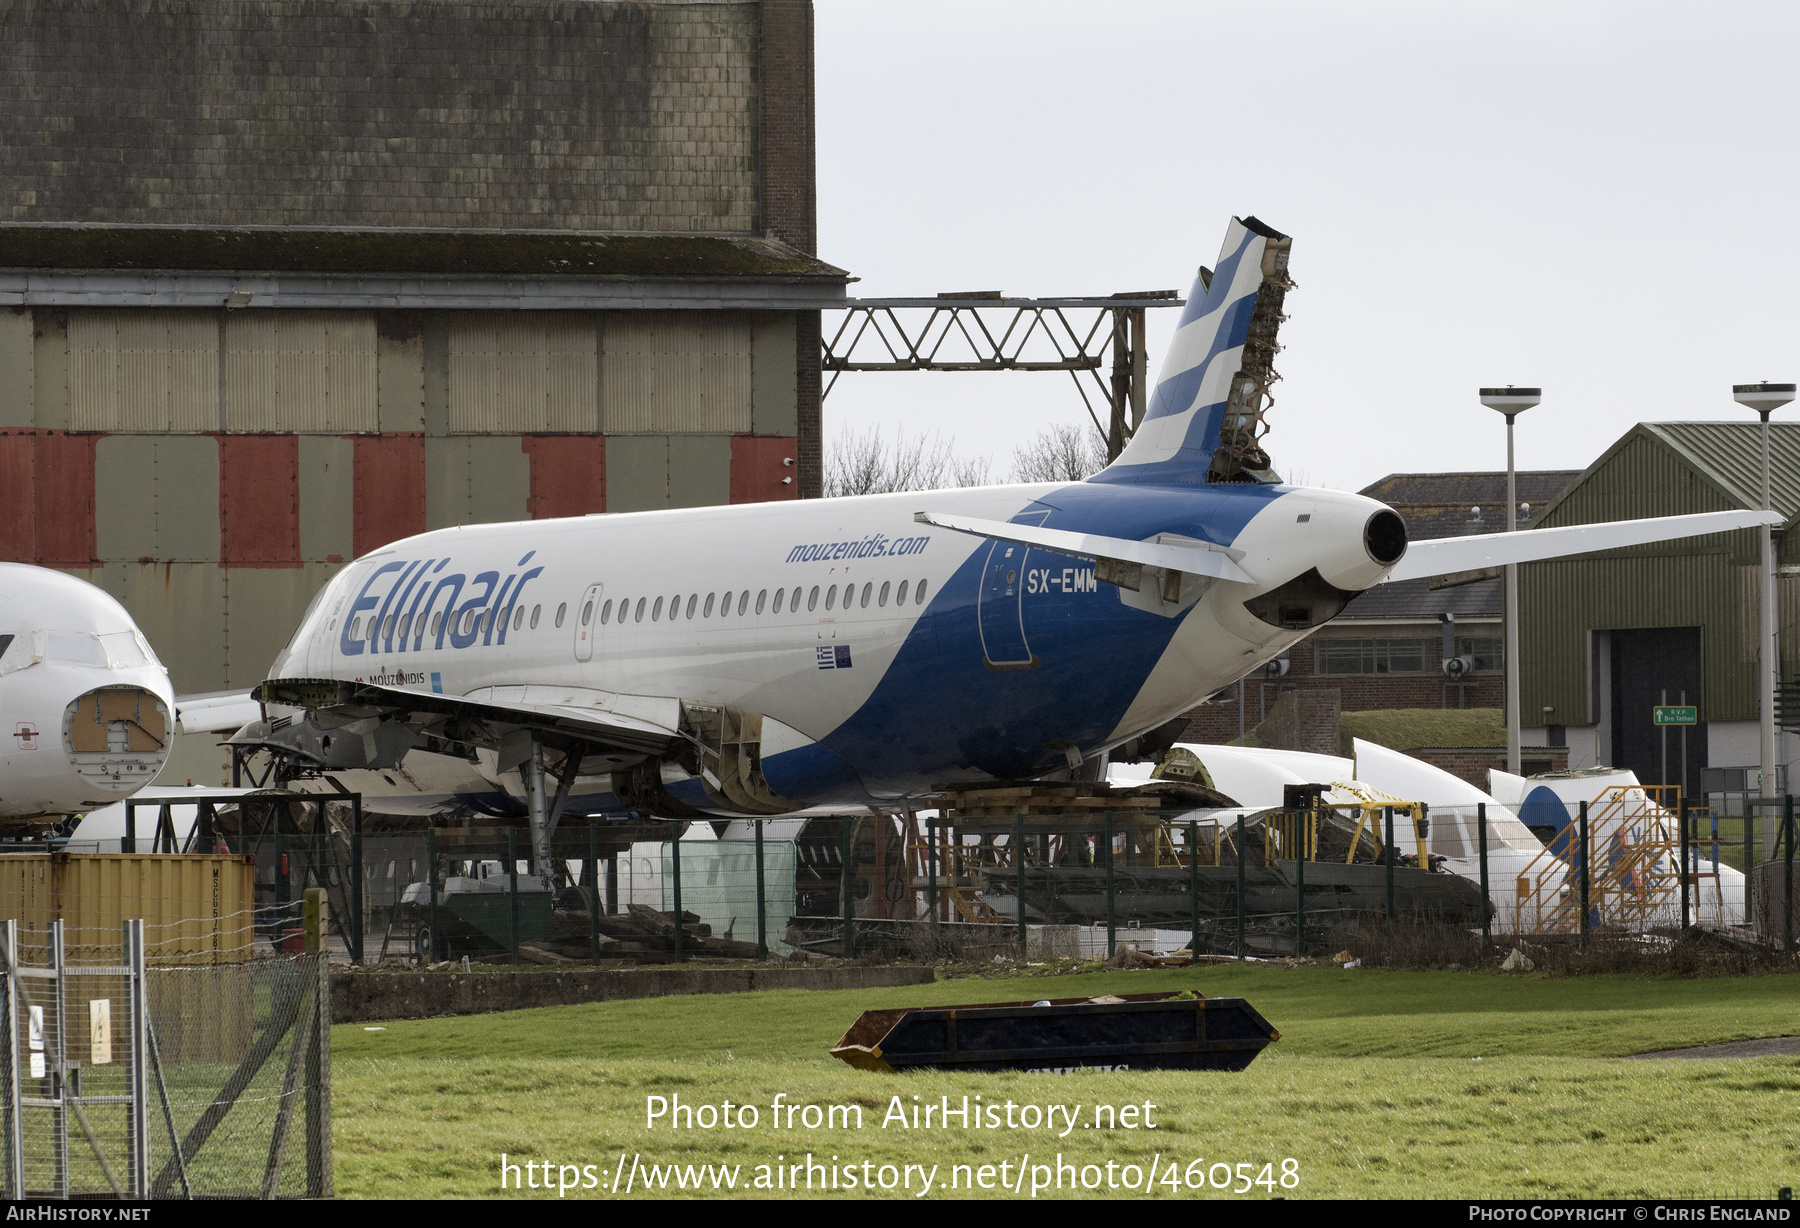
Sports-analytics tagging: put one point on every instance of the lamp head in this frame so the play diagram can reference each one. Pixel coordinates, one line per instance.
(1763, 398)
(1510, 400)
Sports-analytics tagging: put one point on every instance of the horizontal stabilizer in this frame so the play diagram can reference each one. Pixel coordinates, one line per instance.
(1195, 557)
(1452, 554)
(217, 711)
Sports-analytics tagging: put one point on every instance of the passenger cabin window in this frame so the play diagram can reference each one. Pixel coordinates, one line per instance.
(868, 591)
(560, 611)
(587, 612)
(724, 607)
(900, 593)
(638, 615)
(519, 618)
(830, 596)
(693, 600)
(606, 612)
(535, 611)
(356, 628)
(759, 600)
(779, 593)
(882, 600)
(656, 611)
(437, 622)
(405, 625)
(812, 598)
(919, 599)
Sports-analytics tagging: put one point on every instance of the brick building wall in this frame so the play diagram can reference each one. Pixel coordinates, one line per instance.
(567, 115)
(789, 198)
(1217, 722)
(1473, 763)
(212, 461)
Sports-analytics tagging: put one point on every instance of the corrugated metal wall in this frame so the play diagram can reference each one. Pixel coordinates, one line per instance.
(300, 371)
(676, 371)
(514, 372)
(1706, 582)
(213, 468)
(143, 370)
(1561, 602)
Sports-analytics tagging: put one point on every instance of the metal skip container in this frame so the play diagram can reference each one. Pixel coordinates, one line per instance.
(1154, 1031)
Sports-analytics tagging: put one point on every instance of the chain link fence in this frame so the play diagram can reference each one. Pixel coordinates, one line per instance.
(133, 1063)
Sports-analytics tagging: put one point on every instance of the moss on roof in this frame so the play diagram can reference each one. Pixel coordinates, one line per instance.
(1411, 728)
(477, 253)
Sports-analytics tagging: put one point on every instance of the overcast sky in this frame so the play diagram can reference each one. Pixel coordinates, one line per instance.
(1598, 198)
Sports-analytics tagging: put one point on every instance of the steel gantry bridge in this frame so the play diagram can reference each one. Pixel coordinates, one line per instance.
(986, 331)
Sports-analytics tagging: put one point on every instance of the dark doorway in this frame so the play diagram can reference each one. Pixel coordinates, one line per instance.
(1645, 664)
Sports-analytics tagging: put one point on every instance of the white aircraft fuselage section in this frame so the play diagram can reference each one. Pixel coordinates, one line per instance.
(85, 707)
(913, 654)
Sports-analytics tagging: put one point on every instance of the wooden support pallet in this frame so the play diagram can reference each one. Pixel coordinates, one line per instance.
(1088, 802)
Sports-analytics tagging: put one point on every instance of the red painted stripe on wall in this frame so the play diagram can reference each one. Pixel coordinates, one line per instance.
(390, 490)
(568, 474)
(18, 499)
(761, 468)
(259, 500)
(64, 498)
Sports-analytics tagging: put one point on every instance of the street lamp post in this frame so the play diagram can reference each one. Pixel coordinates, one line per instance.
(1765, 399)
(1512, 402)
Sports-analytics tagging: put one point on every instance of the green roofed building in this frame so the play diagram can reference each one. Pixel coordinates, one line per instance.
(1605, 636)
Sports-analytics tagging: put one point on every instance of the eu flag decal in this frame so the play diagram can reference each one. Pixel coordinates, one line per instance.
(843, 656)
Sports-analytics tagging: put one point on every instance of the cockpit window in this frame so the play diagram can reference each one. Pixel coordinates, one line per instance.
(4, 641)
(76, 648)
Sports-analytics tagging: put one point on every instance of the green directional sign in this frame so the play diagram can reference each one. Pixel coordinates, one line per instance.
(1677, 714)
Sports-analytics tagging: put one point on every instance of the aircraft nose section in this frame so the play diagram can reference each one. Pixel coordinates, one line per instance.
(116, 737)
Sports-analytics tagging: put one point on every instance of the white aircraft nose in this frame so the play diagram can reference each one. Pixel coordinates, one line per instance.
(116, 737)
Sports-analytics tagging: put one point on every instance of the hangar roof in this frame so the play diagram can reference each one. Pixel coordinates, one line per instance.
(478, 253)
(1728, 455)
(1442, 505)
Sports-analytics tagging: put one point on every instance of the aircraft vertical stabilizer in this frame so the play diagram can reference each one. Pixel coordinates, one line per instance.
(1204, 419)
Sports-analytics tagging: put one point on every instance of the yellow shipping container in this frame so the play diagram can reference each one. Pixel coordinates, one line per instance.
(196, 909)
(198, 938)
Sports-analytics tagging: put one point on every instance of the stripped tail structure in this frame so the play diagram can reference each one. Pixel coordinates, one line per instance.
(1205, 418)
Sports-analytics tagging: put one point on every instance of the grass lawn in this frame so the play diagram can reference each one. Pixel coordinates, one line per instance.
(1384, 1084)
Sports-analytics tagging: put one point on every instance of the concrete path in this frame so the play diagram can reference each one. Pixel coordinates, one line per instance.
(1768, 1046)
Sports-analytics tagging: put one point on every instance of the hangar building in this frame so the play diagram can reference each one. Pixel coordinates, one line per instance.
(281, 283)
(1603, 636)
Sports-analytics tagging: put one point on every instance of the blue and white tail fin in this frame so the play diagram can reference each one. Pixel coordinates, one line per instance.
(1204, 418)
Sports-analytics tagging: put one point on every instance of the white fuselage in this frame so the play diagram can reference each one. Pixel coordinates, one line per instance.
(885, 654)
(85, 706)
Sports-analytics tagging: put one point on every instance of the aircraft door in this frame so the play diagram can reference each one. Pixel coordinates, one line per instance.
(1002, 612)
(587, 621)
